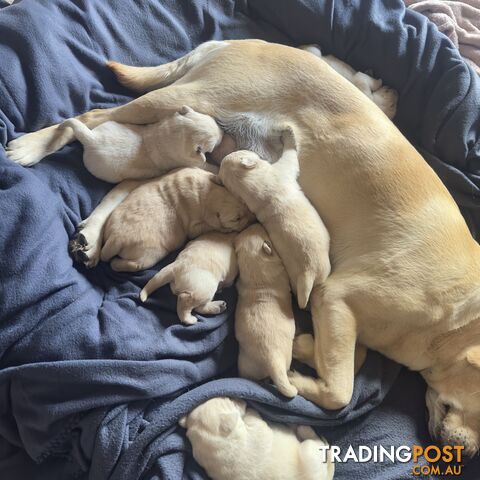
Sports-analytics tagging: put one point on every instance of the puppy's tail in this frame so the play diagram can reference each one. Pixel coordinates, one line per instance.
(146, 79)
(279, 377)
(305, 283)
(164, 276)
(80, 130)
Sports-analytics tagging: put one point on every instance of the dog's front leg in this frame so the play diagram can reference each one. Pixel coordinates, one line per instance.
(87, 243)
(335, 334)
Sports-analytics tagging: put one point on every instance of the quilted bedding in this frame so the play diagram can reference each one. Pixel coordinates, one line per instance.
(92, 382)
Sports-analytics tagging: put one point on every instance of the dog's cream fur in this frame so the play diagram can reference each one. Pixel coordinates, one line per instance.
(264, 322)
(272, 193)
(201, 268)
(160, 215)
(405, 277)
(115, 151)
(233, 442)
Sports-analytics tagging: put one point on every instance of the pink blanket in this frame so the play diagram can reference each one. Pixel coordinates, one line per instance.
(459, 21)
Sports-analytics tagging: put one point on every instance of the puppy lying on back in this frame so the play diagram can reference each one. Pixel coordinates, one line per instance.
(272, 193)
(114, 151)
(159, 216)
(264, 323)
(201, 268)
(233, 442)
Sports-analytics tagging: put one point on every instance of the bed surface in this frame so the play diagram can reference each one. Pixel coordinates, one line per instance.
(92, 382)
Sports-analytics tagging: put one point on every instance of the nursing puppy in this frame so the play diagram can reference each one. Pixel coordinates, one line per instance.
(233, 442)
(205, 265)
(264, 322)
(116, 151)
(405, 280)
(160, 215)
(272, 193)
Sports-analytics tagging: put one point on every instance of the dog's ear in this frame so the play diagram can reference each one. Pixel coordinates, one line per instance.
(228, 422)
(216, 180)
(267, 247)
(185, 109)
(199, 153)
(473, 356)
(183, 422)
(248, 163)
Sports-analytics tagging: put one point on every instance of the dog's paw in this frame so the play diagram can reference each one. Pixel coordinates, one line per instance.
(30, 148)
(86, 246)
(386, 99)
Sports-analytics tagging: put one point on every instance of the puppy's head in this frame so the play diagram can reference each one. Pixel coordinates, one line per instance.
(241, 172)
(224, 212)
(453, 401)
(218, 416)
(256, 255)
(198, 133)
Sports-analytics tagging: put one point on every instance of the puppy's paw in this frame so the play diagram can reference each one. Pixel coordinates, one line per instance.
(189, 319)
(386, 99)
(303, 348)
(212, 308)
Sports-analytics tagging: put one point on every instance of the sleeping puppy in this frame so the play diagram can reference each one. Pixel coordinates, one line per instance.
(116, 151)
(201, 268)
(233, 442)
(384, 97)
(160, 215)
(264, 322)
(272, 193)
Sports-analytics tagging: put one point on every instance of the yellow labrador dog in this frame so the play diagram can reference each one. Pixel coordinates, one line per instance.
(405, 275)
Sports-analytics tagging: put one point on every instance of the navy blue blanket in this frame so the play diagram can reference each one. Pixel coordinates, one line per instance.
(92, 382)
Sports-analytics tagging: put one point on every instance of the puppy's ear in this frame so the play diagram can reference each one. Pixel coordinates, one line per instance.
(248, 163)
(183, 422)
(473, 356)
(185, 109)
(228, 422)
(200, 154)
(216, 180)
(267, 247)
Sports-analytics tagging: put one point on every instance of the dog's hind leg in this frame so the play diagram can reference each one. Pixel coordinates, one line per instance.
(146, 79)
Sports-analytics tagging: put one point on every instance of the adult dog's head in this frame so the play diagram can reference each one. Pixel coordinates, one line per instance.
(453, 395)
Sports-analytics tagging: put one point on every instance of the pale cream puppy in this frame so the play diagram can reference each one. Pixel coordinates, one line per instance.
(384, 97)
(204, 266)
(264, 322)
(160, 215)
(233, 442)
(119, 151)
(272, 193)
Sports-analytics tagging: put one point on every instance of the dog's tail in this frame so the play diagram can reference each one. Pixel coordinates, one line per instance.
(164, 276)
(279, 376)
(305, 283)
(146, 79)
(80, 130)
